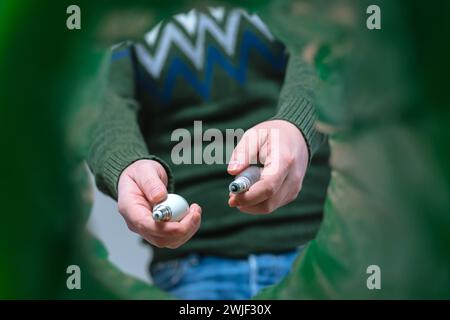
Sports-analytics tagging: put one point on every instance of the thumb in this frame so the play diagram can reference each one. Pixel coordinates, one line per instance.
(151, 185)
(245, 153)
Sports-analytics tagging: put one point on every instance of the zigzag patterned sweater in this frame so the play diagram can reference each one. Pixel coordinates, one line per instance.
(225, 68)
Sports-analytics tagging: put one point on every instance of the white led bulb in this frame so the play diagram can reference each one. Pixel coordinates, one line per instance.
(174, 208)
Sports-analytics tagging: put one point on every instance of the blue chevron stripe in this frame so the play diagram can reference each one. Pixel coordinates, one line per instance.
(117, 55)
(178, 68)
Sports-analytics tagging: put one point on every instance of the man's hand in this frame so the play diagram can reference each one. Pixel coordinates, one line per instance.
(142, 185)
(281, 148)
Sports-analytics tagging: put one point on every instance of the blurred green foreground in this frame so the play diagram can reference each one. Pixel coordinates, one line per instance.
(382, 97)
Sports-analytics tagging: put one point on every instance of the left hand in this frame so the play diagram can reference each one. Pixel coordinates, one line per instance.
(281, 148)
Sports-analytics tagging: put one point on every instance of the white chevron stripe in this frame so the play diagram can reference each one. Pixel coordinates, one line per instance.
(150, 37)
(188, 21)
(218, 13)
(195, 53)
(259, 24)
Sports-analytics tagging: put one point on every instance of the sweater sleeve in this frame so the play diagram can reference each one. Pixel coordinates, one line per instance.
(296, 102)
(116, 139)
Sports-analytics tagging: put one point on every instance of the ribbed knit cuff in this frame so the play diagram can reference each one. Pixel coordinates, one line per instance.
(300, 112)
(120, 160)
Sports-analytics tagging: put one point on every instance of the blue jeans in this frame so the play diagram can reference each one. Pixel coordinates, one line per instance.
(215, 278)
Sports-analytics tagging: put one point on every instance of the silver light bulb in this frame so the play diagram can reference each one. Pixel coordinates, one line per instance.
(245, 180)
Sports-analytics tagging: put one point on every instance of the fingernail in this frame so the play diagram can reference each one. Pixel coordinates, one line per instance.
(158, 196)
(233, 165)
(196, 207)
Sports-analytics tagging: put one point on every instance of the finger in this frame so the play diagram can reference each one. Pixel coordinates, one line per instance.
(139, 217)
(287, 193)
(245, 153)
(151, 185)
(178, 233)
(129, 191)
(232, 202)
(271, 157)
(134, 207)
(178, 228)
(195, 225)
(191, 222)
(155, 241)
(164, 242)
(261, 191)
(264, 207)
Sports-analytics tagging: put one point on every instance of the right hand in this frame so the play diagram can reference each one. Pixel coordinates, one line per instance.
(143, 185)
